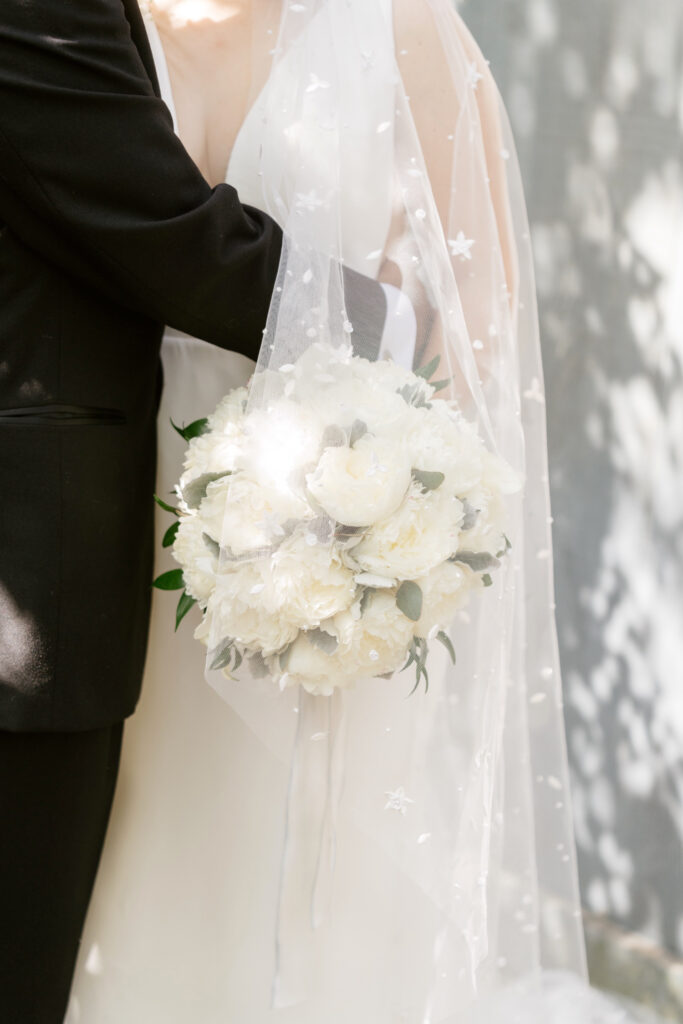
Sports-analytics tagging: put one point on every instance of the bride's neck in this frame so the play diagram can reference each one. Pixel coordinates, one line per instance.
(177, 13)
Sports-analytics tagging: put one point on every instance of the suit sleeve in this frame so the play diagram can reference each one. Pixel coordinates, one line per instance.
(93, 177)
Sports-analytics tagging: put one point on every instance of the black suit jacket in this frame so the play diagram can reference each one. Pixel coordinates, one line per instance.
(107, 232)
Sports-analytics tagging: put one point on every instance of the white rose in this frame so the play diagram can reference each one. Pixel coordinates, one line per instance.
(243, 515)
(420, 535)
(359, 486)
(236, 610)
(444, 591)
(198, 562)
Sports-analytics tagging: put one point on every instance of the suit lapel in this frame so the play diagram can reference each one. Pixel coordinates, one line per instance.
(139, 35)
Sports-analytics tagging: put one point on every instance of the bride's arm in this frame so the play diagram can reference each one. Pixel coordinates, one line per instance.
(93, 177)
(435, 86)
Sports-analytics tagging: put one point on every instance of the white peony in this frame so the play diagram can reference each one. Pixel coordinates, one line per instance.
(212, 453)
(390, 376)
(244, 516)
(199, 563)
(344, 401)
(307, 665)
(279, 440)
(217, 450)
(230, 410)
(445, 590)
(306, 582)
(377, 642)
(420, 535)
(372, 645)
(235, 610)
(437, 442)
(488, 532)
(359, 486)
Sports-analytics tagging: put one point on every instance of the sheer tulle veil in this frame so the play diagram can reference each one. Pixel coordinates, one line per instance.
(458, 796)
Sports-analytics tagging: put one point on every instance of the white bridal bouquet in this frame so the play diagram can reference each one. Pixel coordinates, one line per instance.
(328, 534)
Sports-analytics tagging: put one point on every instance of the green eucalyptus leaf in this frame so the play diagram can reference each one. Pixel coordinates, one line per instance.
(504, 551)
(222, 656)
(334, 436)
(429, 368)
(411, 659)
(184, 605)
(167, 508)
(486, 580)
(238, 660)
(417, 683)
(409, 600)
(258, 666)
(420, 651)
(444, 638)
(413, 394)
(194, 491)
(171, 580)
(428, 480)
(170, 535)
(439, 385)
(417, 655)
(358, 430)
(470, 515)
(477, 560)
(195, 429)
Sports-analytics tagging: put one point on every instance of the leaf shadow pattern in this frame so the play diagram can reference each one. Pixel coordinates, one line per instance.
(595, 95)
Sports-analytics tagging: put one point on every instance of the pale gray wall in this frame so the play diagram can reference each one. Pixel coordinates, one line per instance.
(595, 93)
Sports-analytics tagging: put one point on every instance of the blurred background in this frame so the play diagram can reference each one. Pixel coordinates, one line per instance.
(594, 89)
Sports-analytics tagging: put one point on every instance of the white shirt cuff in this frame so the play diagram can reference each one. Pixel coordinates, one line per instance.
(400, 328)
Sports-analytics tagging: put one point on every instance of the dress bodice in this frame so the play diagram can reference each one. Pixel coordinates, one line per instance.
(366, 213)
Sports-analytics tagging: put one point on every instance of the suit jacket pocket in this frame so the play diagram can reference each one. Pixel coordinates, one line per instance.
(70, 415)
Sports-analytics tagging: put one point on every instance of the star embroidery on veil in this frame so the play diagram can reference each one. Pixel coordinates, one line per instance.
(534, 392)
(316, 83)
(310, 201)
(474, 76)
(461, 246)
(398, 801)
(367, 59)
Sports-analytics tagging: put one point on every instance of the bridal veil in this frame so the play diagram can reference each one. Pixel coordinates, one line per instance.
(452, 802)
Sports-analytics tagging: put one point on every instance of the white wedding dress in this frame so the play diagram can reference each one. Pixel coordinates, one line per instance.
(180, 927)
(184, 916)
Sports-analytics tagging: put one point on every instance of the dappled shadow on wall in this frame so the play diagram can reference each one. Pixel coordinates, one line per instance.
(595, 93)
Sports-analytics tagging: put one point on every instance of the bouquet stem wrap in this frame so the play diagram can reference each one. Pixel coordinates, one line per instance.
(316, 783)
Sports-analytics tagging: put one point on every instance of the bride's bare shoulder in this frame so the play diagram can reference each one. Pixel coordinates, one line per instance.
(423, 60)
